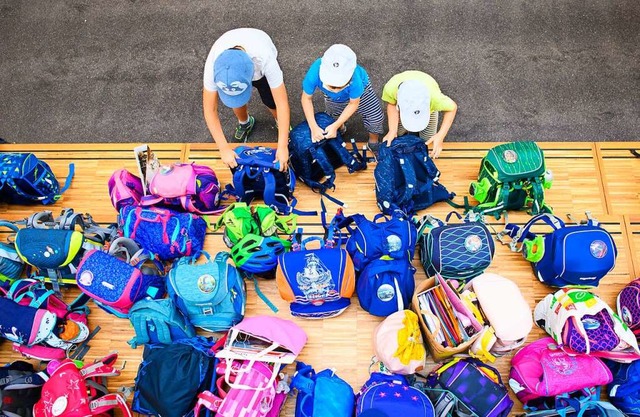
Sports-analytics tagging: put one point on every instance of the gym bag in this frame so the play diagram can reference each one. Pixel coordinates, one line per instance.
(458, 251)
(581, 323)
(171, 376)
(163, 233)
(258, 177)
(393, 396)
(406, 178)
(72, 392)
(158, 321)
(499, 305)
(512, 176)
(315, 164)
(477, 385)
(318, 283)
(577, 255)
(26, 179)
(11, 265)
(211, 294)
(322, 394)
(541, 373)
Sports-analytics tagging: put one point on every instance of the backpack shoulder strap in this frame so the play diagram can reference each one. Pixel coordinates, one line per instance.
(109, 402)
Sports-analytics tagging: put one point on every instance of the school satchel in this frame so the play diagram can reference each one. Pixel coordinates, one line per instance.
(628, 305)
(318, 283)
(458, 251)
(574, 255)
(11, 265)
(211, 294)
(24, 178)
(512, 176)
(392, 395)
(406, 178)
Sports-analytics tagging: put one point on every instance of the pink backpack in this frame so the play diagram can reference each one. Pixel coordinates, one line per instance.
(251, 391)
(541, 369)
(67, 393)
(125, 189)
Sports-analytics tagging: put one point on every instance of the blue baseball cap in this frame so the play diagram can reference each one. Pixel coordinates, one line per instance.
(232, 74)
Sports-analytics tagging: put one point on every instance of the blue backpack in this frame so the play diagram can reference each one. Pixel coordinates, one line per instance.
(158, 321)
(460, 251)
(624, 390)
(257, 177)
(26, 179)
(406, 178)
(315, 163)
(212, 294)
(577, 255)
(393, 396)
(170, 377)
(385, 286)
(321, 395)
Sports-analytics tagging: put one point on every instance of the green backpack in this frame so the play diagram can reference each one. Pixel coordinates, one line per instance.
(512, 176)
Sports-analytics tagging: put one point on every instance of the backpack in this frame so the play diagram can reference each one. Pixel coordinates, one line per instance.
(115, 284)
(163, 233)
(397, 343)
(73, 392)
(171, 376)
(406, 178)
(385, 237)
(11, 265)
(55, 246)
(257, 177)
(26, 179)
(459, 251)
(577, 255)
(628, 305)
(125, 189)
(315, 163)
(322, 394)
(624, 389)
(512, 176)
(158, 321)
(212, 295)
(499, 305)
(542, 373)
(581, 323)
(475, 384)
(20, 388)
(392, 395)
(318, 283)
(386, 286)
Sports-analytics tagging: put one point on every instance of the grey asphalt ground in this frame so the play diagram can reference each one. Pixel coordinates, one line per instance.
(131, 70)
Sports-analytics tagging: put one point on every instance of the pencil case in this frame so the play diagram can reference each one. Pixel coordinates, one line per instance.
(438, 351)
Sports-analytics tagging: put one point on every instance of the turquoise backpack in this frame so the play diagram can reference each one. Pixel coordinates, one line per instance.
(158, 321)
(321, 395)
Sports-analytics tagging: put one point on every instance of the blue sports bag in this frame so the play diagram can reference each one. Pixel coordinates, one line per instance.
(577, 255)
(321, 394)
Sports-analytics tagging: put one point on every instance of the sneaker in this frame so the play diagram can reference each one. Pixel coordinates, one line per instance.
(244, 130)
(373, 147)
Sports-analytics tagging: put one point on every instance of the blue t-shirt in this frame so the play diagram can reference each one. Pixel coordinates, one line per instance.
(353, 90)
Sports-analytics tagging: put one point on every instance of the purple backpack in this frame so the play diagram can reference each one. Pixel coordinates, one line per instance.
(475, 384)
(392, 395)
(125, 189)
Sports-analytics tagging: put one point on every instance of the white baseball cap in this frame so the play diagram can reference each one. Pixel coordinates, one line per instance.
(337, 65)
(414, 103)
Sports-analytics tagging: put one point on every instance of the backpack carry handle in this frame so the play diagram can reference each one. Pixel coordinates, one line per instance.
(259, 163)
(9, 225)
(458, 215)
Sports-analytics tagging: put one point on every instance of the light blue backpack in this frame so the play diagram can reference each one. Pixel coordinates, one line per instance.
(321, 395)
(158, 321)
(211, 294)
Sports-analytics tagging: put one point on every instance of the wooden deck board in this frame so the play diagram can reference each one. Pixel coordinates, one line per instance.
(585, 178)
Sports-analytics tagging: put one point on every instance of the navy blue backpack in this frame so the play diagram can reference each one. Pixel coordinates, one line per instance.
(624, 390)
(385, 286)
(257, 177)
(321, 394)
(393, 396)
(26, 179)
(568, 256)
(406, 177)
(315, 163)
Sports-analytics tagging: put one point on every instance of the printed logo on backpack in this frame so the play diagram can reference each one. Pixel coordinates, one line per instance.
(512, 176)
(577, 255)
(26, 179)
(211, 294)
(318, 283)
(406, 178)
(458, 251)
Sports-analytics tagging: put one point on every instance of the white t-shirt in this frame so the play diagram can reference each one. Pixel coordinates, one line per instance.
(260, 48)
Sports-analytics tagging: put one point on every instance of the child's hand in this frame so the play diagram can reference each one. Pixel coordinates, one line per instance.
(389, 137)
(317, 134)
(436, 141)
(282, 157)
(331, 131)
(228, 156)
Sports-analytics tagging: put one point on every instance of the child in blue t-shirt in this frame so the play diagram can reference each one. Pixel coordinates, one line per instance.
(346, 89)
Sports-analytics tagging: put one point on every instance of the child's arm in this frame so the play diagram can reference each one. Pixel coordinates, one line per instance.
(210, 109)
(332, 130)
(284, 120)
(393, 115)
(317, 134)
(438, 139)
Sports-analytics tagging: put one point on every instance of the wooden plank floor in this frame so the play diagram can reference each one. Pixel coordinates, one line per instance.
(595, 177)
